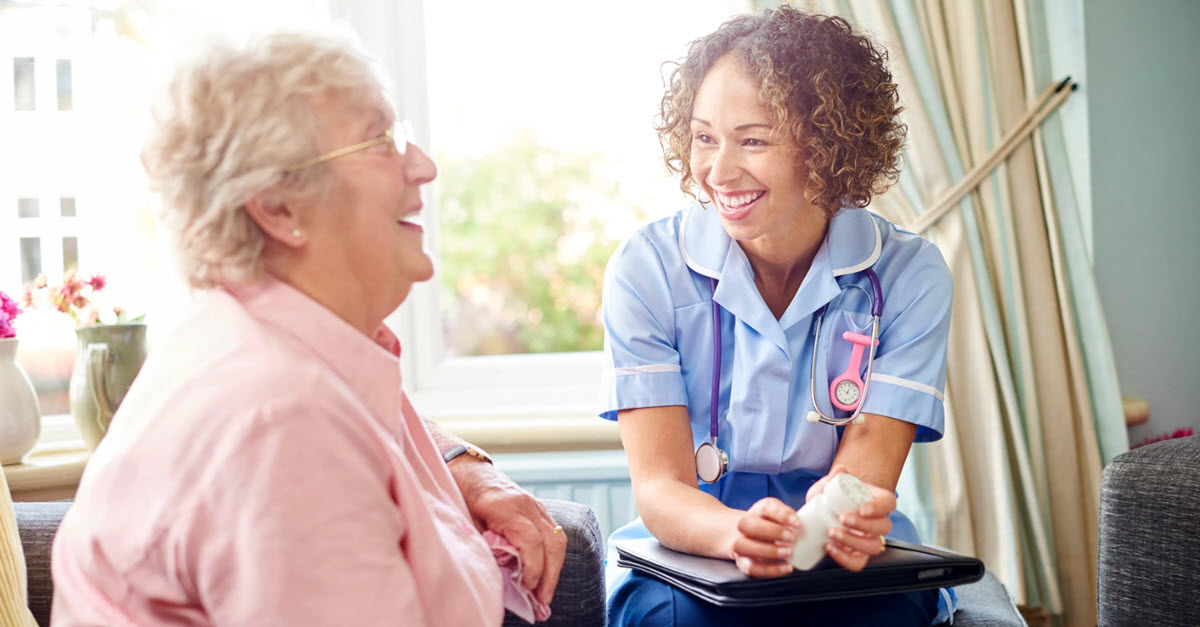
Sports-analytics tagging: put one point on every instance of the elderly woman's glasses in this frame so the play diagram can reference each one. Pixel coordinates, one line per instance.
(399, 137)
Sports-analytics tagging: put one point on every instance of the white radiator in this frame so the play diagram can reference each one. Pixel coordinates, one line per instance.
(598, 479)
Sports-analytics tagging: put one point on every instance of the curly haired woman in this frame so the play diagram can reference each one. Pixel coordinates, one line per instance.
(786, 124)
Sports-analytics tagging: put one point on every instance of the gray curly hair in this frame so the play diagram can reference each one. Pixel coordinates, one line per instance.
(229, 126)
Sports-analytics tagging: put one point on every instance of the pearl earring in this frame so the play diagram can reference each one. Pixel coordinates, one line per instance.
(297, 234)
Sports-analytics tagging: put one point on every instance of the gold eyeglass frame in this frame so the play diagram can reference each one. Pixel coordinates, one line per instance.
(388, 137)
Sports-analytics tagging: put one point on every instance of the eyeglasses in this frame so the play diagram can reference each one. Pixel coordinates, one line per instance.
(399, 137)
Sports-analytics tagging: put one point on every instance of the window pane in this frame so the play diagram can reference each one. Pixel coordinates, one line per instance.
(537, 188)
(64, 84)
(27, 207)
(23, 90)
(31, 258)
(70, 246)
(66, 207)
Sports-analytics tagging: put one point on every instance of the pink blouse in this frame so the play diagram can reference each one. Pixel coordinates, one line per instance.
(266, 468)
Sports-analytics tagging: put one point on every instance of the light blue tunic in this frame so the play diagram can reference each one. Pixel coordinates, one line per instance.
(659, 347)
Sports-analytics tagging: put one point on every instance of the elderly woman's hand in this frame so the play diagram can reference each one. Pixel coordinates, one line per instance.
(500, 505)
(859, 535)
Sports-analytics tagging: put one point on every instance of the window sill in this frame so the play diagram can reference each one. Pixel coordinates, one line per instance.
(50, 471)
(532, 435)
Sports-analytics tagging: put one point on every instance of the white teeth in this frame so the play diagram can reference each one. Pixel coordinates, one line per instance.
(735, 202)
(414, 219)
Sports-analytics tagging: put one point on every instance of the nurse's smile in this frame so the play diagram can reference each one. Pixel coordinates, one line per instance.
(737, 205)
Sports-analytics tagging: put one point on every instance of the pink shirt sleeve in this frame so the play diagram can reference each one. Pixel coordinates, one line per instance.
(303, 528)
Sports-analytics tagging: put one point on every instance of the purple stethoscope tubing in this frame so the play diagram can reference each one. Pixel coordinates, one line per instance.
(876, 312)
(716, 377)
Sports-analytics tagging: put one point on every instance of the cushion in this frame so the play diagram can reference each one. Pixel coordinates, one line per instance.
(14, 606)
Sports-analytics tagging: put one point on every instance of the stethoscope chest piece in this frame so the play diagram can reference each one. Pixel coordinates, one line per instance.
(711, 462)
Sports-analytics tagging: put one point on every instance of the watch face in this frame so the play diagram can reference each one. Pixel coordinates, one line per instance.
(847, 392)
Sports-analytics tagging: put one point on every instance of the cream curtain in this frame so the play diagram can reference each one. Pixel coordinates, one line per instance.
(1033, 407)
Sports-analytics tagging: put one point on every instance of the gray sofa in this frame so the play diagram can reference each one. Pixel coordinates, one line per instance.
(579, 601)
(1149, 571)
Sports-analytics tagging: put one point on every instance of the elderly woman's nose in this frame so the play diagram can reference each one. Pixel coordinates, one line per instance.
(419, 168)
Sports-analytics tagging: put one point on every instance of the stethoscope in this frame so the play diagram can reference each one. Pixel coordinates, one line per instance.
(846, 391)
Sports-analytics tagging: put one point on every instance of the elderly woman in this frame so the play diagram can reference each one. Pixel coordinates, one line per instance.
(732, 412)
(266, 468)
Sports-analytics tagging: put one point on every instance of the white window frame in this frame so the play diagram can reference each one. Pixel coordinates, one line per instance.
(506, 399)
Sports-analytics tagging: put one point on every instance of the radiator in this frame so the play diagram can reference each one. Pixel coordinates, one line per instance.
(598, 479)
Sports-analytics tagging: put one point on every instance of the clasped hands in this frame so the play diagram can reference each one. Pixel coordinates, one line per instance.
(766, 532)
(498, 504)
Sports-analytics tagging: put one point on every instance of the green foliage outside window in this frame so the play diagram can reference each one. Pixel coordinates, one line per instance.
(525, 233)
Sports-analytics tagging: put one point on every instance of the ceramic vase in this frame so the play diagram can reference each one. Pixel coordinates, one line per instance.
(107, 359)
(20, 417)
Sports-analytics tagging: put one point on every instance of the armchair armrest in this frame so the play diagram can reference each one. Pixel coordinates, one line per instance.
(37, 523)
(579, 599)
(1149, 547)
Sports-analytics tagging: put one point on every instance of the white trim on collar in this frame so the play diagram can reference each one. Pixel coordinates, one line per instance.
(871, 259)
(687, 259)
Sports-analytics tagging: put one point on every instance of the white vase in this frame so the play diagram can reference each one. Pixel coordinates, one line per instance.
(20, 418)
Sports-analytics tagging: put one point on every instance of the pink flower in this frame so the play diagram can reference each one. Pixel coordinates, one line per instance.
(8, 312)
(40, 282)
(97, 282)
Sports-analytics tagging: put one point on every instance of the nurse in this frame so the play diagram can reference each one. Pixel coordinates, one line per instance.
(787, 125)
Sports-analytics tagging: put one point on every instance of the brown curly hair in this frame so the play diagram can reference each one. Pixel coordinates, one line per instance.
(828, 86)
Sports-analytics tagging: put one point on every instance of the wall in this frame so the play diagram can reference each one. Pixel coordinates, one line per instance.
(1144, 131)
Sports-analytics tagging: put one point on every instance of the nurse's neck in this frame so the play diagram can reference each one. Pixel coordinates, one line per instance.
(782, 258)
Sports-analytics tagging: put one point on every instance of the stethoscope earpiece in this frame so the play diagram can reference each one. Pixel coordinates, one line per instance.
(813, 417)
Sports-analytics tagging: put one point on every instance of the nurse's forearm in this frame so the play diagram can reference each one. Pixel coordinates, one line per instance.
(875, 450)
(685, 519)
(662, 466)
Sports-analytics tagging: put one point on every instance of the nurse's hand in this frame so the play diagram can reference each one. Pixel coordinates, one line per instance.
(860, 534)
(764, 539)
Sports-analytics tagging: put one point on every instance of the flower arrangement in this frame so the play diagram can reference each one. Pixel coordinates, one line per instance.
(79, 298)
(8, 312)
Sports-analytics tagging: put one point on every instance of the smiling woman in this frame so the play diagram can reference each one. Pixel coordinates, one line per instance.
(282, 387)
(785, 125)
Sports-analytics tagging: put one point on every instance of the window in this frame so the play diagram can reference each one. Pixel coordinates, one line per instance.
(73, 193)
(70, 253)
(23, 84)
(31, 258)
(64, 84)
(541, 121)
(539, 113)
(27, 207)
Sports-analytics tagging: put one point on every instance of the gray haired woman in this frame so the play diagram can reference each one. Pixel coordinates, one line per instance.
(266, 468)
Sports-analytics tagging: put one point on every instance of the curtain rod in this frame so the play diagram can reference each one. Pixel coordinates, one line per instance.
(1051, 99)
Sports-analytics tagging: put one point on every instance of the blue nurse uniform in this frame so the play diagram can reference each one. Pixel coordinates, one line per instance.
(659, 350)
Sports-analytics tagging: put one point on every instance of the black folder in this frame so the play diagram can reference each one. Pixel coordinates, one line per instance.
(902, 567)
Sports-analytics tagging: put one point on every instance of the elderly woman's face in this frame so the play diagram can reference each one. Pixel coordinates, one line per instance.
(746, 165)
(364, 230)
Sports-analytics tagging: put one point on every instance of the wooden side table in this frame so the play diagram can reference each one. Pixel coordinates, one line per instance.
(51, 471)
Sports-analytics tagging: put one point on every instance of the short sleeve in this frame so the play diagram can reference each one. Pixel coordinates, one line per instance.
(909, 377)
(642, 366)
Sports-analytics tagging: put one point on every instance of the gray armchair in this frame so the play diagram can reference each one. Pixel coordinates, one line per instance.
(579, 601)
(1149, 545)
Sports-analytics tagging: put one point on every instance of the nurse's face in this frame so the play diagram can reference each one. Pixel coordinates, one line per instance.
(747, 166)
